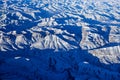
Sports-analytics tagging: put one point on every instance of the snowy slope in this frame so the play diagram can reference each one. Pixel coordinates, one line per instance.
(59, 39)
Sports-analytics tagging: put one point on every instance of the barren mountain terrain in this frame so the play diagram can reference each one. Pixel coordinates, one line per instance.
(59, 39)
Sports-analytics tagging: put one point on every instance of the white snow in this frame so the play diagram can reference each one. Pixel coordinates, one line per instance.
(60, 39)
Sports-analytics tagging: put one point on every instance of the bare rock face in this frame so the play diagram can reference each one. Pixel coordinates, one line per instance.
(92, 37)
(114, 35)
(107, 55)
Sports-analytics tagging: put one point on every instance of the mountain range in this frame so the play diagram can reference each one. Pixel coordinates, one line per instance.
(59, 40)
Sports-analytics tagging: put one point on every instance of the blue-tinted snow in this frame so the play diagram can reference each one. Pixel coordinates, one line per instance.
(59, 40)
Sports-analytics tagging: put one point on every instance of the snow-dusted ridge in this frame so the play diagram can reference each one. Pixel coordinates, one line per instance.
(59, 39)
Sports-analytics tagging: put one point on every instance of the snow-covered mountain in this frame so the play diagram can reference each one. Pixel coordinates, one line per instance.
(59, 39)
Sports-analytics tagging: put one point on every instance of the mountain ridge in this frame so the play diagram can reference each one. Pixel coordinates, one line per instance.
(52, 39)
